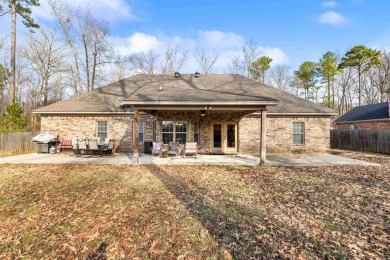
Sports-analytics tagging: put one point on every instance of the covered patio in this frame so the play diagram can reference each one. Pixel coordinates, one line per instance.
(213, 125)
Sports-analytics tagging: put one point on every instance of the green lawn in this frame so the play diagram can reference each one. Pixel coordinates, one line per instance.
(64, 211)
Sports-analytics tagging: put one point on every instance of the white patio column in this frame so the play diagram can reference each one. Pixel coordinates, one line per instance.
(263, 138)
(136, 135)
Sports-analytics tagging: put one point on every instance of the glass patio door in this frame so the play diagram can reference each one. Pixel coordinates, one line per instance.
(223, 137)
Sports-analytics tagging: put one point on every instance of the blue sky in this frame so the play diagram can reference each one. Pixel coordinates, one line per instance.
(290, 31)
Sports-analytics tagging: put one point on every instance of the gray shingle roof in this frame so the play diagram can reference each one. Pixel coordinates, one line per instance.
(367, 112)
(209, 87)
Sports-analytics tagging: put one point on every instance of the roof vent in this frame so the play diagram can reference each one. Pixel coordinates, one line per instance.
(177, 74)
(197, 74)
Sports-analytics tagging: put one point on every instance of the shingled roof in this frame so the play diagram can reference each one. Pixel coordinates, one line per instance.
(367, 112)
(205, 88)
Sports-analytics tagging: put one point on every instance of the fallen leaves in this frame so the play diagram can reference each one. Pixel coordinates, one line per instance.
(189, 212)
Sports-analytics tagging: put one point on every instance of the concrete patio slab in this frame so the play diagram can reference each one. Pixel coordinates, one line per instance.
(61, 158)
(241, 159)
(313, 160)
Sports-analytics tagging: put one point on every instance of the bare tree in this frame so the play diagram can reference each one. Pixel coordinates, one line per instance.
(173, 60)
(118, 70)
(93, 36)
(206, 61)
(296, 86)
(241, 63)
(381, 75)
(45, 55)
(65, 20)
(152, 62)
(144, 62)
(279, 77)
(345, 81)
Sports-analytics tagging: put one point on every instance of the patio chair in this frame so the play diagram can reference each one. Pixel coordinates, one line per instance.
(172, 148)
(75, 146)
(157, 148)
(110, 147)
(191, 148)
(93, 146)
(82, 146)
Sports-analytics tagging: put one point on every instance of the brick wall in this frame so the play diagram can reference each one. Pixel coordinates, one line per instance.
(279, 130)
(85, 127)
(365, 125)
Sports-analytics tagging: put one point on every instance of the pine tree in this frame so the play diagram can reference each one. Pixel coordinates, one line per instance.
(13, 119)
(259, 67)
(328, 70)
(21, 8)
(362, 59)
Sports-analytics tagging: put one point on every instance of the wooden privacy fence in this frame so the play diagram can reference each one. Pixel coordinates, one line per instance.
(377, 141)
(16, 143)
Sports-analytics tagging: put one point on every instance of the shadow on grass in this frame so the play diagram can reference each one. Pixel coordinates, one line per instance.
(99, 254)
(239, 230)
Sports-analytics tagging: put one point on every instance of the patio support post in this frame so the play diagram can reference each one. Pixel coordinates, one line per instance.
(263, 138)
(136, 134)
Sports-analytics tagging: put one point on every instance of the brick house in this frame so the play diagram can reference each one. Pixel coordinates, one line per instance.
(224, 113)
(368, 117)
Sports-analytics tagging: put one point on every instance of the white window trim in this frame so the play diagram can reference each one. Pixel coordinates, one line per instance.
(174, 129)
(197, 132)
(303, 133)
(97, 127)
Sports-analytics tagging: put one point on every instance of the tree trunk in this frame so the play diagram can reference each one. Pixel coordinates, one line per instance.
(94, 70)
(12, 88)
(328, 90)
(360, 87)
(333, 94)
(86, 63)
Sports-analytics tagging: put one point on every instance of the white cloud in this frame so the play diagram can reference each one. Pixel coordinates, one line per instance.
(110, 10)
(138, 42)
(226, 44)
(329, 4)
(279, 57)
(333, 18)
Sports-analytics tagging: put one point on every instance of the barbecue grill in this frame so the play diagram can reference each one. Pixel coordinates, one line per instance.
(45, 141)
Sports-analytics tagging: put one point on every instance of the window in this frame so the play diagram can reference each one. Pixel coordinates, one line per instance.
(102, 129)
(174, 131)
(141, 129)
(298, 133)
(167, 131)
(353, 127)
(196, 132)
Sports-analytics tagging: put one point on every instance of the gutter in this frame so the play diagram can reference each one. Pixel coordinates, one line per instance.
(299, 114)
(192, 103)
(131, 113)
(81, 113)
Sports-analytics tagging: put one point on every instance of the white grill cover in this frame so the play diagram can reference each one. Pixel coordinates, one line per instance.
(44, 137)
